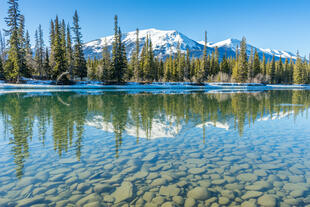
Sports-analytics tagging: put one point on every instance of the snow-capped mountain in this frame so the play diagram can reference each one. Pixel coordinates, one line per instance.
(232, 44)
(165, 43)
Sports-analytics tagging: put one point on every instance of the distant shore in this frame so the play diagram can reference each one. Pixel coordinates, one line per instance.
(45, 84)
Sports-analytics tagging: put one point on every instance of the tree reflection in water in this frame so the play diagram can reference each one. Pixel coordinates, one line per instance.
(65, 114)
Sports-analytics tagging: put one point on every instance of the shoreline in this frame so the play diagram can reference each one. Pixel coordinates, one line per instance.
(154, 85)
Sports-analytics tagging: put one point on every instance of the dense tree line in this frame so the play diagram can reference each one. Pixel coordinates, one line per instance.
(144, 66)
(61, 59)
(64, 59)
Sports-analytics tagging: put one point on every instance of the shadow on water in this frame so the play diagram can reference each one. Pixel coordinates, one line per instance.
(62, 116)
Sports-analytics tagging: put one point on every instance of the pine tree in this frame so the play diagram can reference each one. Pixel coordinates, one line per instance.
(272, 70)
(168, 66)
(299, 71)
(152, 71)
(137, 70)
(92, 69)
(243, 70)
(1, 69)
(279, 71)
(106, 63)
(58, 61)
(285, 78)
(2, 47)
(52, 46)
(123, 58)
(264, 66)
(119, 61)
(250, 66)
(256, 64)
(69, 52)
(28, 54)
(215, 68)
(224, 66)
(24, 71)
(203, 71)
(39, 52)
(46, 64)
(79, 62)
(187, 68)
(12, 68)
(235, 70)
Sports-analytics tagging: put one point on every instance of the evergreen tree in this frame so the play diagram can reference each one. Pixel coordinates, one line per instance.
(152, 72)
(79, 62)
(119, 61)
(12, 68)
(272, 70)
(46, 64)
(1, 69)
(24, 71)
(58, 61)
(279, 71)
(52, 46)
(243, 70)
(2, 47)
(256, 64)
(250, 66)
(137, 70)
(69, 52)
(291, 71)
(224, 66)
(299, 71)
(215, 68)
(203, 71)
(187, 68)
(106, 63)
(39, 52)
(235, 70)
(28, 54)
(264, 66)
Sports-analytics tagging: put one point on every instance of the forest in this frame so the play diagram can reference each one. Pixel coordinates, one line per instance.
(63, 60)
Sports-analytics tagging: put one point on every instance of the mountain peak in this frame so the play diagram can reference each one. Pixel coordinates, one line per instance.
(231, 42)
(165, 43)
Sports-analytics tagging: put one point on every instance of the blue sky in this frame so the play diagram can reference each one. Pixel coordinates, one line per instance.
(276, 24)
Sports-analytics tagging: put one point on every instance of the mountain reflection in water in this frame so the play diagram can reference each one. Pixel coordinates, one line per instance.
(63, 116)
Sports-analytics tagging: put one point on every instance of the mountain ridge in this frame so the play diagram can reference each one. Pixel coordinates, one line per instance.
(165, 44)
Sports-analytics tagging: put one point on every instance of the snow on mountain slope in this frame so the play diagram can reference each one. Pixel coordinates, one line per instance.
(232, 44)
(165, 43)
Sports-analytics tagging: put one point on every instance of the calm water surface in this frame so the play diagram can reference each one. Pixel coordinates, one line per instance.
(146, 149)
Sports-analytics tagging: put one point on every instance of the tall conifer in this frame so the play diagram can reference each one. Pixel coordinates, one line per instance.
(12, 69)
(79, 61)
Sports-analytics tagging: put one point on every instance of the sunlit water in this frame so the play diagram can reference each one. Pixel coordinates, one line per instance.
(145, 149)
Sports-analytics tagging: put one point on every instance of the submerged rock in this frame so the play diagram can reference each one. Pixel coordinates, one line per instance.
(251, 194)
(258, 186)
(170, 190)
(150, 157)
(124, 192)
(159, 181)
(267, 201)
(101, 188)
(224, 200)
(198, 193)
(246, 177)
(30, 201)
(189, 202)
(196, 171)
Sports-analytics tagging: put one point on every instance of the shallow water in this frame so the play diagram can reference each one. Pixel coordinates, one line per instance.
(146, 149)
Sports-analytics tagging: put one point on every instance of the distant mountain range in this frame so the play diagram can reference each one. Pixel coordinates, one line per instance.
(165, 43)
